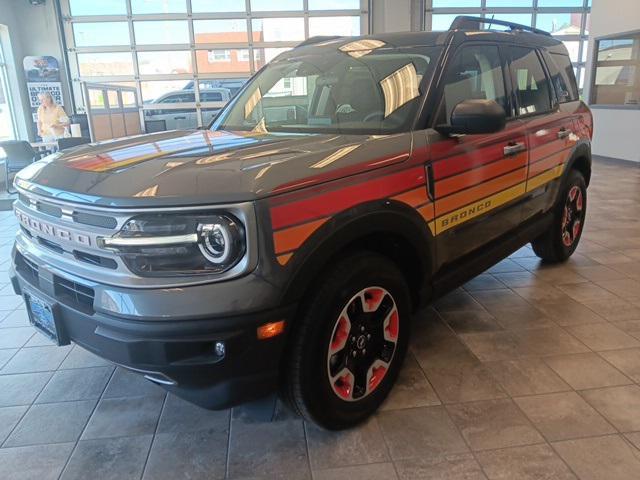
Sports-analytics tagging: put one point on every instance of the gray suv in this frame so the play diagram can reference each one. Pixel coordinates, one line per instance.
(350, 182)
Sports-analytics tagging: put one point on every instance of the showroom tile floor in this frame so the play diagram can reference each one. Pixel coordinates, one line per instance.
(526, 372)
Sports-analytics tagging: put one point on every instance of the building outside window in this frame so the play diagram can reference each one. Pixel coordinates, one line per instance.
(243, 55)
(616, 78)
(201, 46)
(219, 56)
(566, 20)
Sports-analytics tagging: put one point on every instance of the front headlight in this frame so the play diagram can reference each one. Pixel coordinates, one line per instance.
(179, 245)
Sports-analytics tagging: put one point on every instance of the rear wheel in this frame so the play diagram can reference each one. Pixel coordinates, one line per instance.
(350, 342)
(561, 240)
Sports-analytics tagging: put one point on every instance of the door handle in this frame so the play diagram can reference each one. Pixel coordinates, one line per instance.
(179, 118)
(564, 133)
(514, 147)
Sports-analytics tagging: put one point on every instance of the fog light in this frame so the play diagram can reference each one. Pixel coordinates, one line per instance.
(219, 349)
(269, 330)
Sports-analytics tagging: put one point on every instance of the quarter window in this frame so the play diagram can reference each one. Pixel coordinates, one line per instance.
(562, 77)
(529, 81)
(475, 73)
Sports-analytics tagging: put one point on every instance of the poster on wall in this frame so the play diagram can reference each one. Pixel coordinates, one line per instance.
(43, 75)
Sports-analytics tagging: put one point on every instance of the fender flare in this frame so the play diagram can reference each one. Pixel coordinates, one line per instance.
(581, 150)
(357, 223)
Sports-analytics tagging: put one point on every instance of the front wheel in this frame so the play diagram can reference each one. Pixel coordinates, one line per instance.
(561, 240)
(350, 342)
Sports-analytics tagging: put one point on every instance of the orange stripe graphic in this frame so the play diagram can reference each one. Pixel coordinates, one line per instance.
(472, 194)
(426, 211)
(414, 197)
(547, 163)
(478, 175)
(291, 238)
(283, 259)
(546, 149)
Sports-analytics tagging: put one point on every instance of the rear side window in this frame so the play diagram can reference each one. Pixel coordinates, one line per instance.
(530, 82)
(562, 77)
(211, 96)
(179, 98)
(474, 73)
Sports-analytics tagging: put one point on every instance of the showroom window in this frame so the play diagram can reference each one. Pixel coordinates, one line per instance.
(203, 48)
(616, 79)
(7, 124)
(567, 20)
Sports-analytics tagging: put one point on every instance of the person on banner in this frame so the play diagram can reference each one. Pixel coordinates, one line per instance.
(52, 119)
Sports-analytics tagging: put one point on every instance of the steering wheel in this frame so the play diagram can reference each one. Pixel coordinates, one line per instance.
(372, 116)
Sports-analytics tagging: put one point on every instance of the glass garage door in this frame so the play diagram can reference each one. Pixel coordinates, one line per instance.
(187, 58)
(7, 125)
(567, 20)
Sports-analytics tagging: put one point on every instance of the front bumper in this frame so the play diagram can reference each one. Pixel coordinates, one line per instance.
(174, 350)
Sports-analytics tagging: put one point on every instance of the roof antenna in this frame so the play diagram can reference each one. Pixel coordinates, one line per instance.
(489, 26)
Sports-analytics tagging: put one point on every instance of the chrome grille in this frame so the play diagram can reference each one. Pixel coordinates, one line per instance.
(76, 215)
(78, 230)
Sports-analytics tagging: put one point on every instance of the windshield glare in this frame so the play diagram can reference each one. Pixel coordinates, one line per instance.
(359, 92)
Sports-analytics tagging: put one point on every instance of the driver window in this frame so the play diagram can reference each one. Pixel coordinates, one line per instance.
(474, 73)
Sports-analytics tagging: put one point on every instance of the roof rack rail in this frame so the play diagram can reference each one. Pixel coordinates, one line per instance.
(463, 22)
(317, 39)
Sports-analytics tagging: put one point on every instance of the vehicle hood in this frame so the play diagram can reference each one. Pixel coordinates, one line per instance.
(203, 166)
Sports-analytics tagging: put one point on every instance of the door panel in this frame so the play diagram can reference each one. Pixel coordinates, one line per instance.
(476, 188)
(549, 129)
(477, 179)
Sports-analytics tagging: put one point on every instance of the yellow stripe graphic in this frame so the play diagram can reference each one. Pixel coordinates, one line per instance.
(544, 177)
(480, 207)
(475, 209)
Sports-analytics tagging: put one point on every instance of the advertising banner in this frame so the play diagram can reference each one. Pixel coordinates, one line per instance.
(43, 75)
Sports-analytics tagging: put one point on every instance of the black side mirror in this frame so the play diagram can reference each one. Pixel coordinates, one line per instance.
(471, 117)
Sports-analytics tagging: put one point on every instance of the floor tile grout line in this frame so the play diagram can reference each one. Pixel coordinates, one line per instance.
(24, 414)
(386, 443)
(228, 456)
(392, 462)
(559, 326)
(600, 352)
(586, 400)
(30, 405)
(548, 441)
(306, 446)
(459, 430)
(153, 437)
(552, 445)
(75, 446)
(17, 350)
(34, 371)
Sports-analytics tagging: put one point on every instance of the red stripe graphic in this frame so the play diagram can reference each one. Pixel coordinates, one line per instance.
(466, 160)
(330, 202)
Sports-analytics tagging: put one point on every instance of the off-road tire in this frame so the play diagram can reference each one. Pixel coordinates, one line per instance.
(307, 386)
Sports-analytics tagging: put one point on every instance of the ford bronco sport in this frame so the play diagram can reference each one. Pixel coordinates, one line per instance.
(349, 182)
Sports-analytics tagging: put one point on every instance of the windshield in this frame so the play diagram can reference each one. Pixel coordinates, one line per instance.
(351, 89)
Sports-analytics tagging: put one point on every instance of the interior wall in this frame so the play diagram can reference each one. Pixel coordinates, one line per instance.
(32, 30)
(615, 129)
